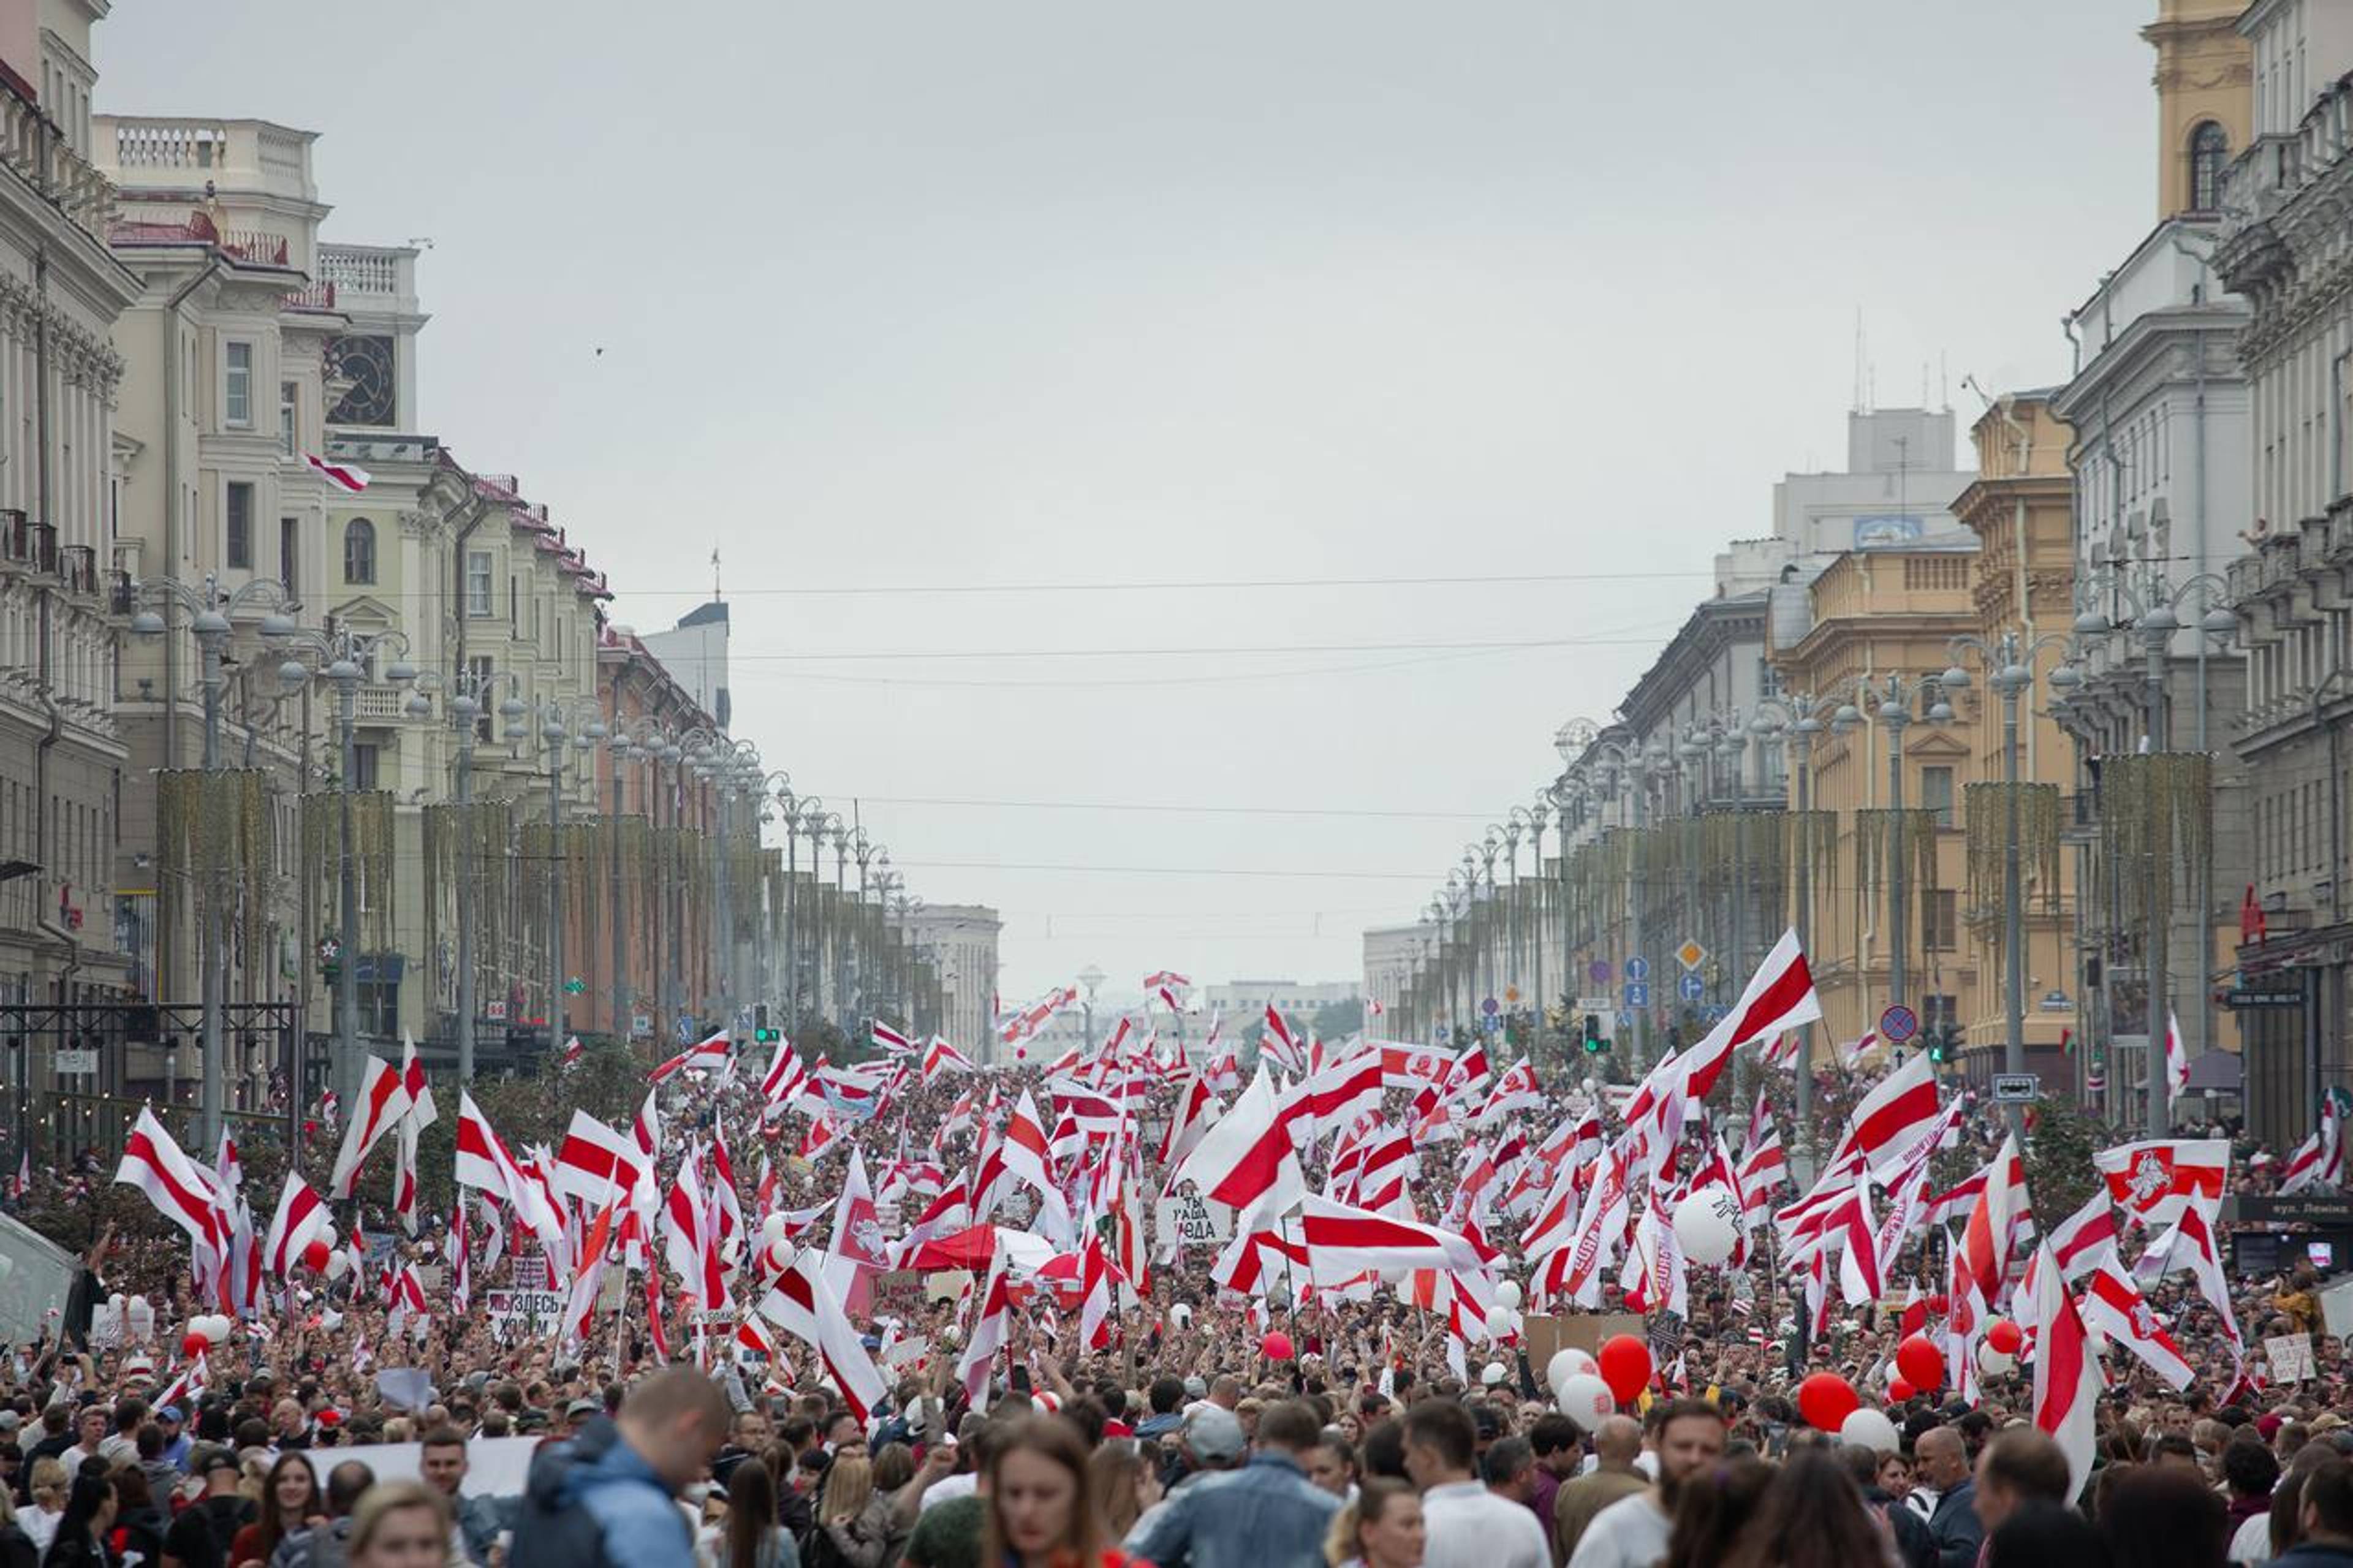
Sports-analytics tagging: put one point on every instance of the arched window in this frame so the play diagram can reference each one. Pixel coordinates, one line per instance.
(2209, 150)
(359, 551)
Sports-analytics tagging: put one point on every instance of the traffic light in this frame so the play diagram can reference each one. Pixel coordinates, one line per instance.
(761, 1032)
(1944, 1043)
(1591, 1035)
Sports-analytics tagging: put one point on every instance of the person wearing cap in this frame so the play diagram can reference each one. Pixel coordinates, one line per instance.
(1268, 1511)
(173, 1422)
(577, 1413)
(200, 1536)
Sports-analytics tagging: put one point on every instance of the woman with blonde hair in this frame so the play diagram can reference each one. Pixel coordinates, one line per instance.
(402, 1524)
(1381, 1527)
(39, 1523)
(1123, 1484)
(853, 1520)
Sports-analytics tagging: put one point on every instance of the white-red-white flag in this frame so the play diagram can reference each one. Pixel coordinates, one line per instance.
(1248, 1159)
(941, 1058)
(1094, 1302)
(181, 1192)
(2066, 1374)
(383, 1101)
(2155, 1179)
(991, 1327)
(706, 1055)
(348, 477)
(300, 1219)
(2176, 1061)
(804, 1305)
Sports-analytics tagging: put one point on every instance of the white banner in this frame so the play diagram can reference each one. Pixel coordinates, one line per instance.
(1188, 1219)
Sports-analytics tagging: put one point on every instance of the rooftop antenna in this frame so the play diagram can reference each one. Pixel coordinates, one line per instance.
(715, 596)
(1857, 359)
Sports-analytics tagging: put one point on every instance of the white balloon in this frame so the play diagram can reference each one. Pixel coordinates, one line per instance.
(778, 1256)
(338, 1265)
(1994, 1363)
(214, 1327)
(1586, 1400)
(1508, 1292)
(1499, 1323)
(1180, 1314)
(1394, 1276)
(1495, 1373)
(1568, 1363)
(1867, 1428)
(139, 1319)
(1707, 1226)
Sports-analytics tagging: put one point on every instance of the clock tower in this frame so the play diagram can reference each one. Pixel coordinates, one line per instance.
(2204, 80)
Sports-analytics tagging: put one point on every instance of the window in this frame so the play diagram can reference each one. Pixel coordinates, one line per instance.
(289, 400)
(239, 519)
(363, 765)
(2209, 150)
(478, 583)
(1940, 919)
(1937, 793)
(237, 401)
(485, 690)
(289, 540)
(359, 551)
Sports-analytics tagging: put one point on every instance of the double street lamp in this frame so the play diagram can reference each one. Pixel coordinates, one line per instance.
(210, 609)
(1897, 706)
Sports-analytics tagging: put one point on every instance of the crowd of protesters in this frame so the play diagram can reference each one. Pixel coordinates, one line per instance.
(1184, 1442)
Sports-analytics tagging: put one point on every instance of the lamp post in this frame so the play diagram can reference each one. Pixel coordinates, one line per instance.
(210, 609)
(469, 695)
(1532, 820)
(345, 654)
(557, 722)
(1799, 717)
(2141, 600)
(1090, 977)
(2009, 663)
(1894, 710)
(1630, 767)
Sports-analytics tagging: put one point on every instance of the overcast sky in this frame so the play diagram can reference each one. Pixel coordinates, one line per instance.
(906, 297)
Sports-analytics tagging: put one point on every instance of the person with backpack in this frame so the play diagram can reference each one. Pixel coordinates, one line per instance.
(604, 1499)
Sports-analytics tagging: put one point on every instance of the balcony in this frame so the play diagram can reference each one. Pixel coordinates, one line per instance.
(78, 565)
(379, 705)
(33, 146)
(315, 299)
(122, 593)
(371, 277)
(15, 536)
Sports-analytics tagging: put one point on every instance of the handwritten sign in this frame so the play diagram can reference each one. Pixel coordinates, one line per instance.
(1191, 1220)
(2290, 1356)
(512, 1309)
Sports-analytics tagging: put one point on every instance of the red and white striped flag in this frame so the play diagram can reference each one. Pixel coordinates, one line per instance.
(705, 1054)
(573, 1051)
(804, 1305)
(991, 1327)
(1249, 1159)
(384, 1100)
(889, 1040)
(180, 1191)
(300, 1219)
(1094, 1304)
(941, 1058)
(349, 477)
(2067, 1381)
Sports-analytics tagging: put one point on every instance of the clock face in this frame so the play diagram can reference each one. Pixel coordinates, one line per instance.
(367, 363)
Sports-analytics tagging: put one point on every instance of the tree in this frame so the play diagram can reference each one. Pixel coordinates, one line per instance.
(1338, 1020)
(2058, 1172)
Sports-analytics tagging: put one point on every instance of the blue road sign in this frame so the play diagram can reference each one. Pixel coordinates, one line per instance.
(1715, 1015)
(1598, 972)
(1638, 968)
(1626, 1021)
(1491, 1007)
(1638, 995)
(1691, 987)
(1899, 1022)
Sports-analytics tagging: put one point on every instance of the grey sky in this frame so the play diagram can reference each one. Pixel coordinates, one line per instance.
(900, 295)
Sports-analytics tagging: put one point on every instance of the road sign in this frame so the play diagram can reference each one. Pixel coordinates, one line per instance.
(1626, 1022)
(1691, 955)
(1691, 987)
(1715, 1015)
(1511, 993)
(1638, 968)
(1491, 1007)
(1898, 1023)
(1599, 970)
(75, 1058)
(2016, 1088)
(1596, 1005)
(1638, 995)
(2240, 998)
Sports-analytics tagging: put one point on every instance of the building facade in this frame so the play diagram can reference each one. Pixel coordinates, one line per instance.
(959, 942)
(2281, 251)
(63, 765)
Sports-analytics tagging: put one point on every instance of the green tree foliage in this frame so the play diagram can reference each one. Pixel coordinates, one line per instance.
(1338, 1020)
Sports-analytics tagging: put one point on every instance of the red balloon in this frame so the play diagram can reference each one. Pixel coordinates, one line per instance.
(1920, 1363)
(2004, 1336)
(193, 1345)
(1826, 1400)
(1939, 1304)
(315, 1255)
(1625, 1365)
(1899, 1392)
(1277, 1346)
